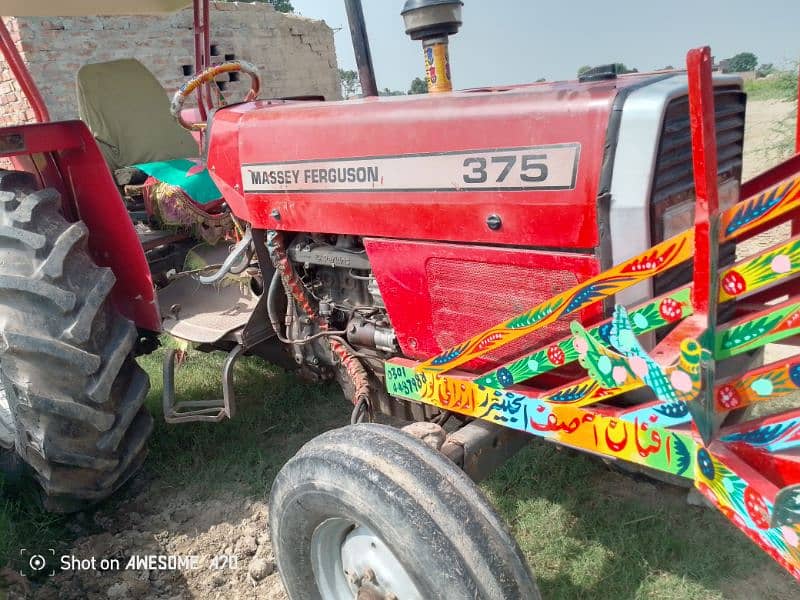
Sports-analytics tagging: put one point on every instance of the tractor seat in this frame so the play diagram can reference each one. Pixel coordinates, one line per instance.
(128, 113)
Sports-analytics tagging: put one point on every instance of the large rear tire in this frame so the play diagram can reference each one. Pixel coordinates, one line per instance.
(73, 399)
(367, 511)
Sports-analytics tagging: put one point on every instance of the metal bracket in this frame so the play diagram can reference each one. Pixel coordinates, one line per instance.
(209, 411)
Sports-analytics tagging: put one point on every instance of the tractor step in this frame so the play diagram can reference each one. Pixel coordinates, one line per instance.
(209, 411)
(226, 315)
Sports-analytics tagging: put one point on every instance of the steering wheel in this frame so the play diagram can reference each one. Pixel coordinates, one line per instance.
(208, 76)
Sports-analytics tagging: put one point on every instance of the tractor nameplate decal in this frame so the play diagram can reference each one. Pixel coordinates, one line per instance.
(552, 167)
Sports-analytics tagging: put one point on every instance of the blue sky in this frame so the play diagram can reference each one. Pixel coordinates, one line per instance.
(513, 41)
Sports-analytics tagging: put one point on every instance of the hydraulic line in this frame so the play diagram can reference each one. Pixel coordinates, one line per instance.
(353, 367)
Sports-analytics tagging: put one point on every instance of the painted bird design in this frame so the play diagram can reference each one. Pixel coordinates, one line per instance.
(628, 361)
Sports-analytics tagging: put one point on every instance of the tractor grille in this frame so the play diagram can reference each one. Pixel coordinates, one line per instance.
(673, 180)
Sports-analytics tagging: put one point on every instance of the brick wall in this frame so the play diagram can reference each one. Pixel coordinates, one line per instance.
(295, 55)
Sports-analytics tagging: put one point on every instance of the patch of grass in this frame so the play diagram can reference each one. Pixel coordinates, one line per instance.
(589, 532)
(23, 524)
(277, 413)
(780, 86)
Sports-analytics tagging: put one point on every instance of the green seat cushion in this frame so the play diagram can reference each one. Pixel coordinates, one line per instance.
(185, 174)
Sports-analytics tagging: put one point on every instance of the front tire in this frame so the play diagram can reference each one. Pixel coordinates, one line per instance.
(73, 394)
(369, 511)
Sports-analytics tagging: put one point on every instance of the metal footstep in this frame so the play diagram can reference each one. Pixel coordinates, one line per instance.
(209, 411)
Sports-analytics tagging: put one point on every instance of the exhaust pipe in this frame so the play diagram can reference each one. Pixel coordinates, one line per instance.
(433, 22)
(358, 33)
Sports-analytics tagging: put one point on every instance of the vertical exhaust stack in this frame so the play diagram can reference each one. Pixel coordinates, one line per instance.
(433, 22)
(358, 33)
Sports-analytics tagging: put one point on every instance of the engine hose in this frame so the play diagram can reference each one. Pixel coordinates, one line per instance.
(272, 308)
(275, 286)
(355, 372)
(294, 288)
(234, 260)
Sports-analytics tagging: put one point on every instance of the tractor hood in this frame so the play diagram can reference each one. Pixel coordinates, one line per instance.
(517, 165)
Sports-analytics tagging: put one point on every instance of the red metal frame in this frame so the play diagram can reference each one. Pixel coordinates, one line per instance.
(65, 156)
(202, 52)
(704, 155)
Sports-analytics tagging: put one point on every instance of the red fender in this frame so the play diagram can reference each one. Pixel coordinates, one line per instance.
(65, 156)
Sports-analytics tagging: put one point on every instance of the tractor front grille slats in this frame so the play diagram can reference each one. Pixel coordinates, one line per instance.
(673, 178)
(673, 168)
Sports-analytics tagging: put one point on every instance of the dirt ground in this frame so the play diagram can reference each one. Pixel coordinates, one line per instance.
(155, 519)
(163, 522)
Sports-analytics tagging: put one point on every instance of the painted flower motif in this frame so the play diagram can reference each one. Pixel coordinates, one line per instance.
(556, 355)
(733, 283)
(794, 375)
(706, 464)
(670, 309)
(580, 345)
(763, 386)
(756, 508)
(781, 264)
(681, 381)
(728, 397)
(505, 377)
(619, 374)
(790, 535)
(638, 366)
(639, 321)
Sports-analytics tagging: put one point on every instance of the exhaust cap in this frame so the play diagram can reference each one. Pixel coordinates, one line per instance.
(427, 19)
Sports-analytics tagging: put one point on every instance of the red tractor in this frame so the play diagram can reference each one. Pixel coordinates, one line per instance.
(379, 242)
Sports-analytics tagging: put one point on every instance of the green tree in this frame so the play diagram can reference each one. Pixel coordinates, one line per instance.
(744, 61)
(764, 70)
(351, 85)
(418, 86)
(284, 6)
(388, 92)
(620, 69)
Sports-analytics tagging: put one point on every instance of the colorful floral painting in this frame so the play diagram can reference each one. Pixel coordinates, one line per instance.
(748, 470)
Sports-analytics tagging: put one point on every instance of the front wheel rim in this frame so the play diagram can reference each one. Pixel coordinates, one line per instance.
(350, 561)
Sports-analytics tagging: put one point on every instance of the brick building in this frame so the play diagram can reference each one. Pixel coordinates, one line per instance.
(295, 55)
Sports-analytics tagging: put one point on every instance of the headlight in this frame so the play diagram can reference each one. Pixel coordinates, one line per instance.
(677, 218)
(679, 215)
